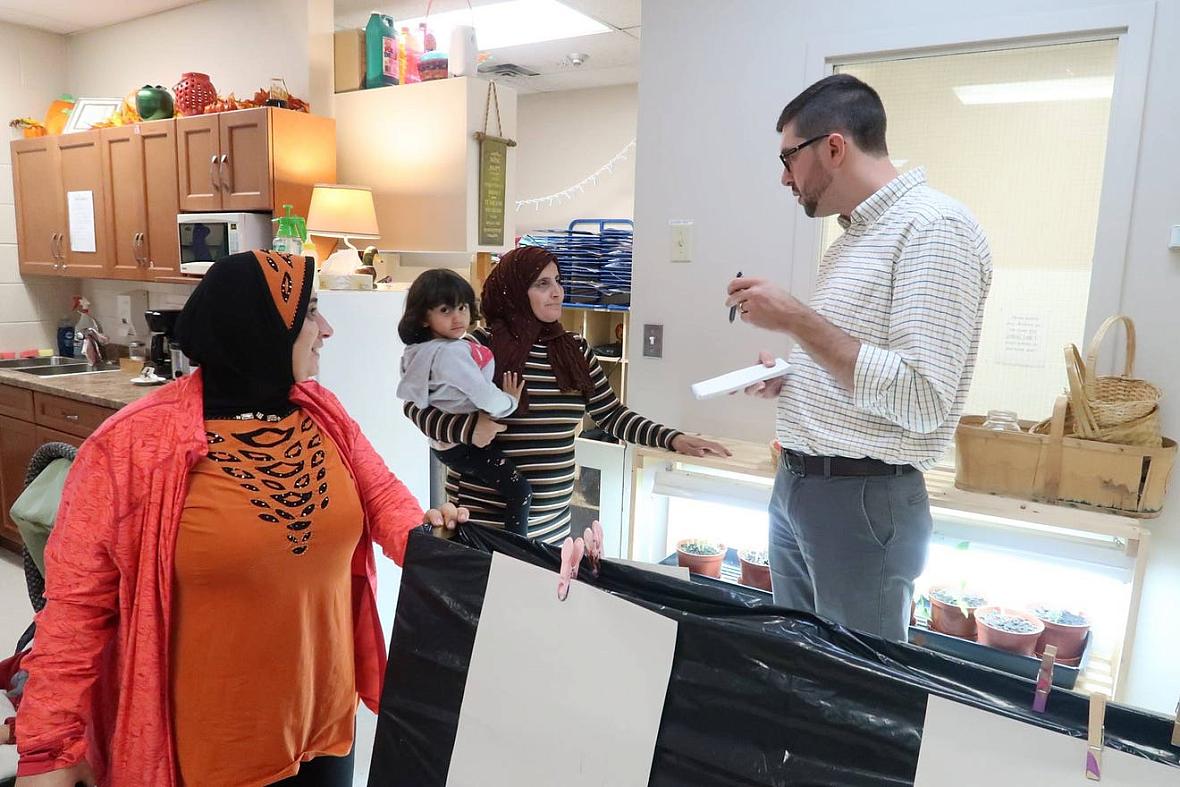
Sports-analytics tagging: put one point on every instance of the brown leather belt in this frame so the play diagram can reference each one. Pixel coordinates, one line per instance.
(837, 466)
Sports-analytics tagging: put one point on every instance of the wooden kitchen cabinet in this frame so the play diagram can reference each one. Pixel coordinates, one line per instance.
(40, 205)
(80, 158)
(141, 176)
(139, 164)
(254, 159)
(44, 171)
(18, 441)
(28, 420)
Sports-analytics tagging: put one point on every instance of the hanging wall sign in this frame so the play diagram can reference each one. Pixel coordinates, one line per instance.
(493, 175)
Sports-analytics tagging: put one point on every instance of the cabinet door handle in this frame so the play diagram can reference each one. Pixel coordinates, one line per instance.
(57, 254)
(213, 172)
(72, 417)
(135, 249)
(227, 183)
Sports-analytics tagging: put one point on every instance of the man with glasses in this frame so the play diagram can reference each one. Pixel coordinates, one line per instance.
(879, 374)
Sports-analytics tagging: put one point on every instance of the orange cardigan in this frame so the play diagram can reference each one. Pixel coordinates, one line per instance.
(98, 673)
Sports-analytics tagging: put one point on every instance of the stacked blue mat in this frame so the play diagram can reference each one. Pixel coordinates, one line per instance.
(595, 265)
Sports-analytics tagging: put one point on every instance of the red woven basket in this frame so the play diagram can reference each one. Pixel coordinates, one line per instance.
(193, 92)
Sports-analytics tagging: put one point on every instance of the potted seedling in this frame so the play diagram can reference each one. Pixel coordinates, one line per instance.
(1063, 628)
(701, 556)
(1008, 629)
(953, 611)
(755, 568)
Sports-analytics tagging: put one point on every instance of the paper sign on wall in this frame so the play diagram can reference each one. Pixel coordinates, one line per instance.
(1023, 342)
(967, 747)
(560, 692)
(81, 207)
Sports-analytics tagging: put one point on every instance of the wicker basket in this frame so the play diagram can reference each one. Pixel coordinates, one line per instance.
(1117, 399)
(1081, 419)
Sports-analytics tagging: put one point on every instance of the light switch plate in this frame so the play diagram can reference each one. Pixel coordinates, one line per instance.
(1174, 239)
(681, 240)
(653, 341)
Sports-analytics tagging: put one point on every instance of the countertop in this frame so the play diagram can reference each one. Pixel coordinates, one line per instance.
(106, 389)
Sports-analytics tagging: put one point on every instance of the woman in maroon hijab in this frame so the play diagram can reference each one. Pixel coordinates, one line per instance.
(522, 306)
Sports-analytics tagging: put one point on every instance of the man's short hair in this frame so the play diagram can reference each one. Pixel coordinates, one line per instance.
(839, 103)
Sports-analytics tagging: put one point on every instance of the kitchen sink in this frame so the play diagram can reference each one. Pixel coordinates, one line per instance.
(28, 363)
(63, 369)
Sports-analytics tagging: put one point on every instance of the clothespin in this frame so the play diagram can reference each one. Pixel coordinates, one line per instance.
(1097, 736)
(1176, 727)
(571, 555)
(1045, 678)
(594, 544)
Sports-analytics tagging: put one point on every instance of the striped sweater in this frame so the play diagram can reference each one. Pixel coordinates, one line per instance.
(540, 442)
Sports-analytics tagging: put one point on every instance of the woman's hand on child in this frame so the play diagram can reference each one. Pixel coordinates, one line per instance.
(485, 431)
(512, 384)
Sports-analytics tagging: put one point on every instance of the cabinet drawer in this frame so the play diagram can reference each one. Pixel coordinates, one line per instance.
(16, 402)
(68, 415)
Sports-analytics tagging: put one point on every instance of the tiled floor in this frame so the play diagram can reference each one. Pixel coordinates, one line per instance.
(15, 611)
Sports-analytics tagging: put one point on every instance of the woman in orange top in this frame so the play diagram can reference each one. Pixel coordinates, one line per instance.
(210, 580)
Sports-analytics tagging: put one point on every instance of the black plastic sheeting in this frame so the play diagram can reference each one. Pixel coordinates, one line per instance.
(758, 695)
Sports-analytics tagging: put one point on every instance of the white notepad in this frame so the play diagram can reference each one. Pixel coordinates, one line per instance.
(740, 379)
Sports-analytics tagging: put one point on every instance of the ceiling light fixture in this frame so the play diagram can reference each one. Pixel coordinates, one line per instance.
(1073, 89)
(512, 23)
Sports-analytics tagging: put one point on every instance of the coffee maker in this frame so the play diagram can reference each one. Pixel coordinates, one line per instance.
(163, 355)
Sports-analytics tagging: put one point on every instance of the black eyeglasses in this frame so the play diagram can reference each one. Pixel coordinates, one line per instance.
(785, 155)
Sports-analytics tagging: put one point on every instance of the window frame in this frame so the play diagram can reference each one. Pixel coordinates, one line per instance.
(1131, 24)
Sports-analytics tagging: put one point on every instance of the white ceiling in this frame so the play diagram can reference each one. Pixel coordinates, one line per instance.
(614, 56)
(73, 16)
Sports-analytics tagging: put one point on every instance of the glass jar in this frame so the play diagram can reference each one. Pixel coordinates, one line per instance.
(1002, 421)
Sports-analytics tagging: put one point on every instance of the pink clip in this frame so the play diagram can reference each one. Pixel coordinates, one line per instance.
(1045, 678)
(571, 555)
(594, 544)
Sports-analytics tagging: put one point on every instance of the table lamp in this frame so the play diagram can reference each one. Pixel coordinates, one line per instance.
(339, 211)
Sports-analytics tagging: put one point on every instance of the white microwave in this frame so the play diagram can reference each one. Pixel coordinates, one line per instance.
(207, 237)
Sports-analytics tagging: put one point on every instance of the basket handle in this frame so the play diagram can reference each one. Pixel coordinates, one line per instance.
(1083, 417)
(1096, 345)
(1048, 478)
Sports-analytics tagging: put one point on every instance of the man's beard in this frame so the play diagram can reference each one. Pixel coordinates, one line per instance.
(810, 200)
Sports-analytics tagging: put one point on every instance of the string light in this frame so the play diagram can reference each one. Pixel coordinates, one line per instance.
(579, 188)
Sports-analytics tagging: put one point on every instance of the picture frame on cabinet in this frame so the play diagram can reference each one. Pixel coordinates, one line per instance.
(88, 111)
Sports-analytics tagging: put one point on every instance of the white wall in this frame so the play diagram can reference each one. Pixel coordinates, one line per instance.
(563, 138)
(239, 45)
(709, 145)
(32, 74)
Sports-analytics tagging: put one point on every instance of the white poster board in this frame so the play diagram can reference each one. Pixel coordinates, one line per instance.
(966, 747)
(563, 693)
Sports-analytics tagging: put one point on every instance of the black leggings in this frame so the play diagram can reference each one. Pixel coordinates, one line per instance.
(490, 466)
(323, 771)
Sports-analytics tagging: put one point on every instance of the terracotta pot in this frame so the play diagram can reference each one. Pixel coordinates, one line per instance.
(755, 575)
(193, 92)
(706, 565)
(949, 619)
(1011, 641)
(1070, 640)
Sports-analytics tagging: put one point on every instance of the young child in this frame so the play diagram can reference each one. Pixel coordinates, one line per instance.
(442, 369)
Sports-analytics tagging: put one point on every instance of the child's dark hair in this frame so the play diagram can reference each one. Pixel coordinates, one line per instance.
(433, 288)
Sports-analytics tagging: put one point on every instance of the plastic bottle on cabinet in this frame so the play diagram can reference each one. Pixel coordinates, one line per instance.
(429, 44)
(380, 51)
(408, 53)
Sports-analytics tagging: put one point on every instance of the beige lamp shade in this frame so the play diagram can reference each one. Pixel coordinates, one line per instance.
(339, 211)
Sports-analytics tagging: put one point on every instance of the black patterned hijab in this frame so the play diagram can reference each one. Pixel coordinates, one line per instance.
(240, 324)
